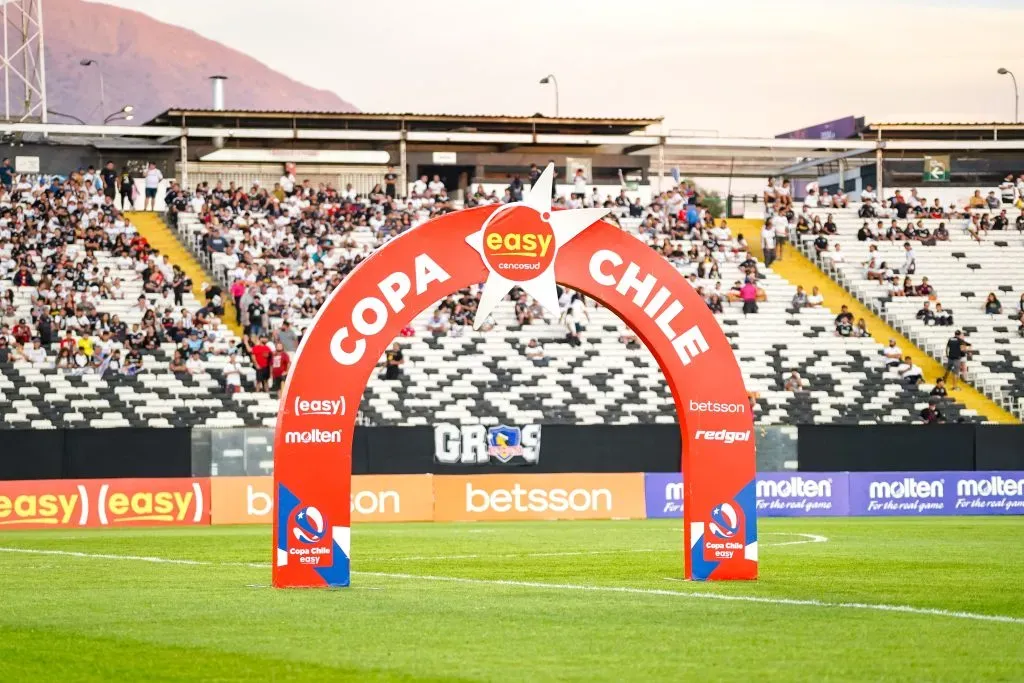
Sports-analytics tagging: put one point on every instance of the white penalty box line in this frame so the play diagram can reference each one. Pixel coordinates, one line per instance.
(562, 587)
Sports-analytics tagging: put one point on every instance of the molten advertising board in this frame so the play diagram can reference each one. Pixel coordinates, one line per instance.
(104, 503)
(528, 245)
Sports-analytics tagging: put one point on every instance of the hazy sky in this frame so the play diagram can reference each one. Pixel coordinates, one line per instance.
(742, 67)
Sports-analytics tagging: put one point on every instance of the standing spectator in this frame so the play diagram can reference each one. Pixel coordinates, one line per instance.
(255, 314)
(287, 338)
(232, 374)
(957, 350)
(393, 361)
(390, 182)
(109, 177)
(6, 174)
(153, 178)
(748, 293)
(262, 355)
(127, 190)
(768, 241)
(910, 259)
(279, 366)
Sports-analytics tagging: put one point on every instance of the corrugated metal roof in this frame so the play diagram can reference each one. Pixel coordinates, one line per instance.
(959, 124)
(188, 111)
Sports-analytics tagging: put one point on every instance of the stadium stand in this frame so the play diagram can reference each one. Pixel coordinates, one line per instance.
(290, 250)
(930, 276)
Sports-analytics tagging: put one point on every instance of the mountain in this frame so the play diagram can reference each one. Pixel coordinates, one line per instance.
(155, 66)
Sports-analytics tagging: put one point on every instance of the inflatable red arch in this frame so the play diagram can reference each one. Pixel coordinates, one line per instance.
(340, 350)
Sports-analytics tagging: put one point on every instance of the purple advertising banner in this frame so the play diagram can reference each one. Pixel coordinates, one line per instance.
(900, 493)
(779, 494)
(664, 494)
(803, 494)
(839, 129)
(820, 494)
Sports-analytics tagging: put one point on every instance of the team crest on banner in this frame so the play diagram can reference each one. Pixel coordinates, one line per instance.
(505, 443)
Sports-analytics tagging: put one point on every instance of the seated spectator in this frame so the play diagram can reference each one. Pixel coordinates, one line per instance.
(992, 201)
(815, 299)
(535, 352)
(866, 234)
(800, 298)
(178, 366)
(35, 353)
(1020, 220)
(939, 389)
(438, 323)
(926, 314)
(794, 382)
(734, 294)
(931, 413)
(134, 363)
(836, 255)
(925, 288)
(908, 372)
(977, 201)
(943, 317)
(194, 364)
(992, 305)
(1001, 222)
(820, 245)
(715, 303)
(892, 354)
(844, 322)
(861, 330)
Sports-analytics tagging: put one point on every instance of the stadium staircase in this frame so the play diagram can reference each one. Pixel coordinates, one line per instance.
(796, 268)
(162, 238)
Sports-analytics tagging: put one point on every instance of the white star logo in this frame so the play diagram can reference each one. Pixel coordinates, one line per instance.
(521, 240)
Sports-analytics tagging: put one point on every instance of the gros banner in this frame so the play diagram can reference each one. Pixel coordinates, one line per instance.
(498, 497)
(374, 498)
(104, 503)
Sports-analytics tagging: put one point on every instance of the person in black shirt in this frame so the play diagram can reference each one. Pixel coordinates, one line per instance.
(515, 188)
(932, 415)
(844, 323)
(393, 361)
(109, 176)
(534, 174)
(1020, 220)
(390, 181)
(6, 174)
(939, 389)
(256, 312)
(956, 352)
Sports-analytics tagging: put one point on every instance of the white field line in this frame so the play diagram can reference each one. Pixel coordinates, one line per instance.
(569, 587)
(807, 538)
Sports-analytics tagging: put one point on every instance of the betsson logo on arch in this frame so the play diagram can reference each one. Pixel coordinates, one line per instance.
(719, 408)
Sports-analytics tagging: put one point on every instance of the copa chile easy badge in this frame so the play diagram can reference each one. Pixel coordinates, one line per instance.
(724, 533)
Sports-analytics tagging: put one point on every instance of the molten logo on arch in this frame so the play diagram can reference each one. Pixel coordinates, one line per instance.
(519, 243)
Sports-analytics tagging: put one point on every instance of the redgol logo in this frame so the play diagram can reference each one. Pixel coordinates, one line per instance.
(324, 407)
(722, 435)
(313, 436)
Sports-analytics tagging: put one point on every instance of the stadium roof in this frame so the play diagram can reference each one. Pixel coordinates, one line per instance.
(405, 121)
(949, 130)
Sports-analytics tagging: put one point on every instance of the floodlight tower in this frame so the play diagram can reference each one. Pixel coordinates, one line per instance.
(23, 61)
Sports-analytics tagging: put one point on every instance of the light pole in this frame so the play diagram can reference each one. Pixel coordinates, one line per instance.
(122, 114)
(550, 78)
(1016, 93)
(103, 97)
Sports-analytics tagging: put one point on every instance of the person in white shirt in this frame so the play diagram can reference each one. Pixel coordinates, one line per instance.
(815, 299)
(811, 200)
(233, 374)
(910, 373)
(153, 178)
(579, 183)
(35, 354)
(194, 364)
(892, 354)
(768, 241)
(770, 193)
(868, 194)
(910, 261)
(420, 186)
(1008, 190)
(436, 187)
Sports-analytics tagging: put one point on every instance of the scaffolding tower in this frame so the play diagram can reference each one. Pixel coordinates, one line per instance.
(23, 61)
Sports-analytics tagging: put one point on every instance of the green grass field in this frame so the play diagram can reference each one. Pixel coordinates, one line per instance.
(851, 599)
